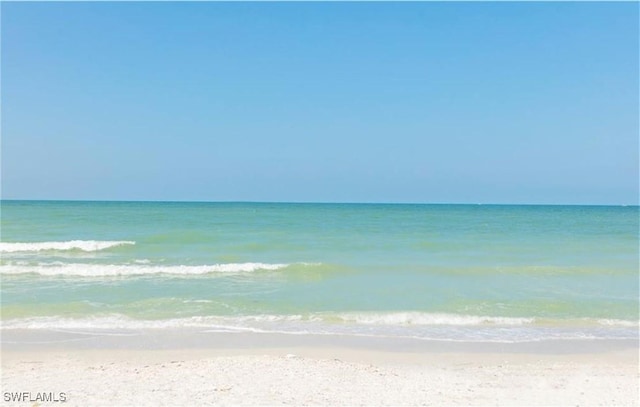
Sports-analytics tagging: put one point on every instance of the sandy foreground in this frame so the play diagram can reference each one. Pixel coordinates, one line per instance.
(318, 375)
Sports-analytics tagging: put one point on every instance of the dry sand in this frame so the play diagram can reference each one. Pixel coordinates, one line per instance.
(320, 375)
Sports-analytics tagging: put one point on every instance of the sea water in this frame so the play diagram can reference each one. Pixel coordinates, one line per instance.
(446, 272)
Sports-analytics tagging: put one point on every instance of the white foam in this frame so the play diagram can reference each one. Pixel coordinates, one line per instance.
(83, 245)
(251, 323)
(100, 322)
(117, 321)
(618, 322)
(405, 319)
(423, 318)
(110, 270)
(414, 318)
(317, 324)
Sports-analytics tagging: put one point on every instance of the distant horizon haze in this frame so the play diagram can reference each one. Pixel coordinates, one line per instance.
(124, 201)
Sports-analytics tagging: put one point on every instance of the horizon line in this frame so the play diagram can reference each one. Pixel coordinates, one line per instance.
(313, 202)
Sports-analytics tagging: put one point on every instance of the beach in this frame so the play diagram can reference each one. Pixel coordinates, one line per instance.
(268, 369)
(319, 204)
(140, 303)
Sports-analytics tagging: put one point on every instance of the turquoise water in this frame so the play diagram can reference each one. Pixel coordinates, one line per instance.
(453, 272)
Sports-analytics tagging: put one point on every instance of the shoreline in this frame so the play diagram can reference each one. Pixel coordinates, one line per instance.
(158, 339)
(160, 368)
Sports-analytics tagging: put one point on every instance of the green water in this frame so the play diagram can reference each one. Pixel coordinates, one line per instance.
(460, 272)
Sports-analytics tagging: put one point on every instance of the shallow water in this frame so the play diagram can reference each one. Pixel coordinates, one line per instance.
(450, 272)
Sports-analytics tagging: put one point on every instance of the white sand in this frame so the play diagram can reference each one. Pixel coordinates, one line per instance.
(321, 376)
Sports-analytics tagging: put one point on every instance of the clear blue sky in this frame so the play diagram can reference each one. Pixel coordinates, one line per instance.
(340, 102)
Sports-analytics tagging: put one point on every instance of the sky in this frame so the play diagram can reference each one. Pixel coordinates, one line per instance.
(321, 102)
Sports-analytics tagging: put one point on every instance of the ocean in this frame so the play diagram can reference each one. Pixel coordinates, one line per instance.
(477, 273)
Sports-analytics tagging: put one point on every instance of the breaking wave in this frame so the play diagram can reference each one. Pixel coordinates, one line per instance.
(459, 330)
(108, 270)
(263, 321)
(82, 245)
(423, 318)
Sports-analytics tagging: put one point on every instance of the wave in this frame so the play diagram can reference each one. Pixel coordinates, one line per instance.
(390, 319)
(618, 322)
(426, 319)
(422, 318)
(114, 270)
(106, 322)
(82, 245)
(122, 322)
(311, 322)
